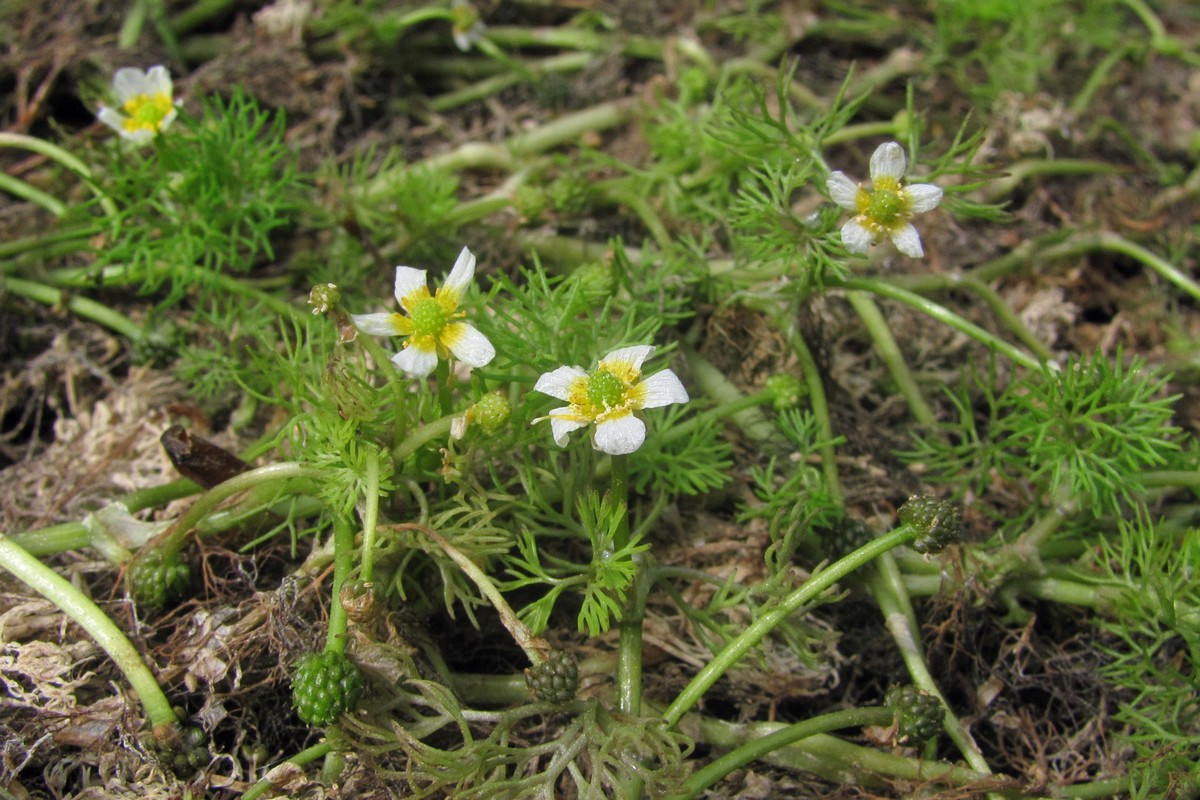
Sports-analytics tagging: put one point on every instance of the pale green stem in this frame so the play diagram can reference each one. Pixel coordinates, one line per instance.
(629, 648)
(577, 39)
(88, 309)
(251, 479)
(755, 749)
(61, 241)
(56, 153)
(370, 517)
(307, 756)
(861, 130)
(121, 274)
(343, 564)
(131, 28)
(1159, 39)
(422, 435)
(1029, 543)
(820, 410)
(1111, 242)
(82, 610)
(1097, 77)
(566, 62)
(504, 155)
(889, 351)
(715, 385)
(998, 305)
(941, 314)
(817, 584)
(21, 189)
(830, 756)
(1022, 171)
(888, 588)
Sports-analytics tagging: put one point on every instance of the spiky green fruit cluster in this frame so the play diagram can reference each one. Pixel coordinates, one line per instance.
(157, 578)
(556, 679)
(325, 686)
(492, 412)
(918, 714)
(936, 522)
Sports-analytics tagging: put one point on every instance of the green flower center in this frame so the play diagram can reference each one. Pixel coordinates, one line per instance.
(886, 206)
(605, 390)
(146, 111)
(428, 317)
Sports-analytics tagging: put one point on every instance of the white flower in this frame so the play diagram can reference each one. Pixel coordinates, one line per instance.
(432, 325)
(884, 209)
(466, 27)
(609, 397)
(147, 106)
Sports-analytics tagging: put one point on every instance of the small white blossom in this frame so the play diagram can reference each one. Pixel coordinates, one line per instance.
(885, 208)
(466, 27)
(610, 397)
(146, 105)
(432, 324)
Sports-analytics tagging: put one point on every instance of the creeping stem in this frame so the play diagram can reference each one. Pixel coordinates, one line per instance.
(888, 587)
(76, 605)
(757, 748)
(251, 479)
(941, 314)
(813, 588)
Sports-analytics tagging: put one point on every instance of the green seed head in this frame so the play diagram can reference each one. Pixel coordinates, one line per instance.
(786, 391)
(886, 206)
(605, 390)
(428, 317)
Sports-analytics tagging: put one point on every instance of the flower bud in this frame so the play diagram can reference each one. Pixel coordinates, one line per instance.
(324, 297)
(786, 391)
(936, 522)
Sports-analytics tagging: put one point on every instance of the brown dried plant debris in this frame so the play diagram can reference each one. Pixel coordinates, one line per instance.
(105, 435)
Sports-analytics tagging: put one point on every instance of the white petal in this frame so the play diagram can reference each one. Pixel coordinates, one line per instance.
(856, 238)
(621, 435)
(888, 161)
(923, 196)
(558, 383)
(468, 344)
(560, 426)
(168, 119)
(112, 118)
(139, 136)
(461, 40)
(842, 191)
(663, 389)
(464, 271)
(408, 280)
(159, 80)
(633, 356)
(908, 241)
(376, 324)
(129, 82)
(416, 362)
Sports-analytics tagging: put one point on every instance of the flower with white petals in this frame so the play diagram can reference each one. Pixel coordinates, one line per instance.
(884, 209)
(466, 28)
(432, 324)
(610, 397)
(146, 105)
